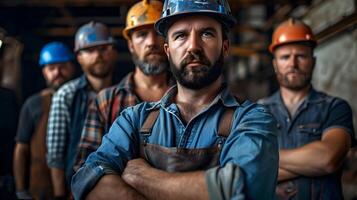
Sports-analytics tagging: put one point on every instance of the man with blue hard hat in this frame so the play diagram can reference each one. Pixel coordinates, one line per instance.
(198, 141)
(96, 52)
(30, 151)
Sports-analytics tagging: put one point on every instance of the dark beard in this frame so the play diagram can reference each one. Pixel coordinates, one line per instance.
(201, 76)
(102, 71)
(303, 82)
(150, 68)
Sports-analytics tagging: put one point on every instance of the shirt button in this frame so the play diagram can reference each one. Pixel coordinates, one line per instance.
(287, 120)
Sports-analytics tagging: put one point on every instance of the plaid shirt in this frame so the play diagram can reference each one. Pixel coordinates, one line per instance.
(59, 121)
(102, 112)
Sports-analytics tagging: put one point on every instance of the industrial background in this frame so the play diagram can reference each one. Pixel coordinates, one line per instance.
(26, 25)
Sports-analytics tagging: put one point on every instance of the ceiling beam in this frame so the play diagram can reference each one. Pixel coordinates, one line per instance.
(70, 31)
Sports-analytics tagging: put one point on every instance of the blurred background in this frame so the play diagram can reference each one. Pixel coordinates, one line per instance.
(26, 25)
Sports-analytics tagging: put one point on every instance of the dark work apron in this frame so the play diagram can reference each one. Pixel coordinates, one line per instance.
(40, 177)
(173, 159)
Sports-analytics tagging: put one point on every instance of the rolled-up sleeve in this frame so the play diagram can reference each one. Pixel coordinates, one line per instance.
(118, 146)
(253, 146)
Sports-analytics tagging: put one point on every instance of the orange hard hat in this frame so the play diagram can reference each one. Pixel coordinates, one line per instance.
(291, 31)
(143, 13)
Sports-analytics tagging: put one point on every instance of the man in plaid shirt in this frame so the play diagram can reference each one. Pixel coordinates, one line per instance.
(149, 81)
(97, 55)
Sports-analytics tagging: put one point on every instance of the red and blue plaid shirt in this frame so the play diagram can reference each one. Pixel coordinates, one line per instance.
(102, 112)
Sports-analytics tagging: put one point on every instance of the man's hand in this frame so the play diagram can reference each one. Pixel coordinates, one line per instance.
(157, 184)
(135, 172)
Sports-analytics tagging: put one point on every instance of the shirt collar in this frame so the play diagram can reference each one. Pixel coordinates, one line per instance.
(312, 96)
(83, 82)
(127, 83)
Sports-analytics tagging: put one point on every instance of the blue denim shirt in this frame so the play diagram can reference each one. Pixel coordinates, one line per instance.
(318, 113)
(252, 143)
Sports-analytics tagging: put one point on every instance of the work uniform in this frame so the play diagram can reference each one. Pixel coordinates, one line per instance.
(315, 116)
(170, 144)
(32, 131)
(103, 111)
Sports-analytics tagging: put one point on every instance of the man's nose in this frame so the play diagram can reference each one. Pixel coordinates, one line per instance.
(293, 61)
(194, 43)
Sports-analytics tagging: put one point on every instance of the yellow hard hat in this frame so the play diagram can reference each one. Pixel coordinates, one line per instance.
(143, 13)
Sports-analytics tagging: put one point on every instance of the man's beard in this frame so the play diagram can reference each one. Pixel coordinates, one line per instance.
(151, 68)
(197, 77)
(101, 69)
(302, 82)
(55, 86)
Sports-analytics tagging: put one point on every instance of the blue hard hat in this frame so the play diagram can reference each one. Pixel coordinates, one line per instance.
(176, 9)
(92, 34)
(55, 52)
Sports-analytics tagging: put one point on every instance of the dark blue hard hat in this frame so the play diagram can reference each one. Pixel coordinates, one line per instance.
(92, 34)
(55, 52)
(175, 9)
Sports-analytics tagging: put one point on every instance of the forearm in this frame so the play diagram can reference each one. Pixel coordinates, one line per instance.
(309, 160)
(285, 175)
(58, 181)
(113, 187)
(20, 167)
(158, 184)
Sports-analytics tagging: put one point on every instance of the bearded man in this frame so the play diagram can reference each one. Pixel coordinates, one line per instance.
(315, 129)
(96, 52)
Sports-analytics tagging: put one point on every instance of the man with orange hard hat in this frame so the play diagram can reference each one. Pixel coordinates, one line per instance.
(315, 130)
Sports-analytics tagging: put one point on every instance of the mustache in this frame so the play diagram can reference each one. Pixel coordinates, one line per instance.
(295, 71)
(98, 61)
(197, 57)
(153, 51)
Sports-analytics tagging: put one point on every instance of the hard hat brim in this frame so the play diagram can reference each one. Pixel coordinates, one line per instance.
(163, 24)
(94, 44)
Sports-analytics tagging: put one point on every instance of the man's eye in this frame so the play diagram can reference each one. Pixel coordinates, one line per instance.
(284, 57)
(207, 34)
(179, 37)
(142, 34)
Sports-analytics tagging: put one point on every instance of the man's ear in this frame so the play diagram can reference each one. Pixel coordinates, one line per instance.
(225, 48)
(274, 64)
(131, 46)
(167, 49)
(44, 72)
(79, 57)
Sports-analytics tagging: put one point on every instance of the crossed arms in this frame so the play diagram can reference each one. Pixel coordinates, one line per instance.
(316, 158)
(140, 181)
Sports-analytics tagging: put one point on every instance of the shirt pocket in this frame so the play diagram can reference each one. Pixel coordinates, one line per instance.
(309, 132)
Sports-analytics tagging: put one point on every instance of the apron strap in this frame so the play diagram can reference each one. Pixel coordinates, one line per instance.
(225, 124)
(149, 122)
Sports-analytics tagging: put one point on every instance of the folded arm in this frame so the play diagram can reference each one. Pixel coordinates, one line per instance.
(317, 158)
(158, 184)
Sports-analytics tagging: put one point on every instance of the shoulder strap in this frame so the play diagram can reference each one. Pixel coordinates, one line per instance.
(224, 128)
(225, 124)
(149, 122)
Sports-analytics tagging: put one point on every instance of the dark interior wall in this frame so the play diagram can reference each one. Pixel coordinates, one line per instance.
(30, 25)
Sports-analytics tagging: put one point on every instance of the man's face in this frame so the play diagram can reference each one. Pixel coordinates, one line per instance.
(293, 64)
(57, 74)
(147, 50)
(98, 61)
(196, 51)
